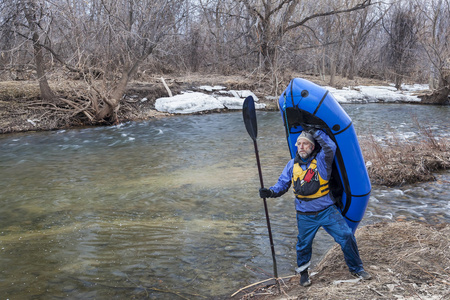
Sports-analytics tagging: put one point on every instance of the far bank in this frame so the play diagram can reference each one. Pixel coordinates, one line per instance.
(21, 108)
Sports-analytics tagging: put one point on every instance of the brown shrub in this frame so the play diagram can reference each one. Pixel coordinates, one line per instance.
(396, 162)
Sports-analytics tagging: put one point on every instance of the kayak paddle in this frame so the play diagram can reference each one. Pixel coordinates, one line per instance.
(249, 113)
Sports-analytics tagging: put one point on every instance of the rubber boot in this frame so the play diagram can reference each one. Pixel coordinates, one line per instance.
(304, 278)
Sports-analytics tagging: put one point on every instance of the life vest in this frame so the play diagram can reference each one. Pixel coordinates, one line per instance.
(308, 184)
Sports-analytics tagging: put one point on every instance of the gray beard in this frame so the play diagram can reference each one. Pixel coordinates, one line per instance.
(304, 156)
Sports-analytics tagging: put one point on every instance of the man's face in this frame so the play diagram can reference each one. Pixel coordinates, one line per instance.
(304, 148)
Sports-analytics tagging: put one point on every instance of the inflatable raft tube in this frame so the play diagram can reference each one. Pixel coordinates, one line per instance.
(304, 104)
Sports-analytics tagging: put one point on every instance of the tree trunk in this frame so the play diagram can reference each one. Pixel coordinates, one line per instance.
(332, 72)
(109, 111)
(441, 96)
(46, 92)
(352, 64)
(268, 52)
(398, 81)
(351, 69)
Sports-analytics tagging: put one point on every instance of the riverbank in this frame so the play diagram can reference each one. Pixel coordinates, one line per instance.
(22, 110)
(407, 260)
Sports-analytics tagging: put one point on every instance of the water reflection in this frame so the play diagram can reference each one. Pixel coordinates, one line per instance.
(166, 208)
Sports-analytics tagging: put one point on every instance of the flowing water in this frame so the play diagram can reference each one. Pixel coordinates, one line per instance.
(169, 209)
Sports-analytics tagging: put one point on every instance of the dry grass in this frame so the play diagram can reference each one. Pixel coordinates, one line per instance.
(399, 162)
(10, 90)
(407, 260)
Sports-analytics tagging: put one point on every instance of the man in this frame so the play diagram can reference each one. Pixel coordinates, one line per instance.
(309, 172)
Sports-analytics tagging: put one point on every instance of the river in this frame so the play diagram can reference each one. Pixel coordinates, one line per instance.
(169, 208)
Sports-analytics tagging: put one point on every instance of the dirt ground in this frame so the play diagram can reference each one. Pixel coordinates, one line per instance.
(407, 260)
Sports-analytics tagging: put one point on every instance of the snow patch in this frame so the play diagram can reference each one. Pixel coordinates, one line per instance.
(191, 102)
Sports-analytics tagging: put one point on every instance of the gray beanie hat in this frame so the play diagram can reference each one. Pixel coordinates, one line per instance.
(307, 136)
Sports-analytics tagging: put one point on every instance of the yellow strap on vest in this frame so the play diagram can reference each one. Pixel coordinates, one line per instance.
(298, 172)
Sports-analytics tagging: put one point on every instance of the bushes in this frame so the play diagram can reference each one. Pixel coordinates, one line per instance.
(398, 162)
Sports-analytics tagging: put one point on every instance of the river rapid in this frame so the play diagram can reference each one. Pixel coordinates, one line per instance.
(169, 208)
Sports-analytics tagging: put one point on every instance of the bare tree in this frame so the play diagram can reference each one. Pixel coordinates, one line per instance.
(228, 34)
(400, 50)
(29, 20)
(276, 18)
(328, 37)
(34, 14)
(113, 38)
(359, 25)
(103, 40)
(131, 31)
(435, 40)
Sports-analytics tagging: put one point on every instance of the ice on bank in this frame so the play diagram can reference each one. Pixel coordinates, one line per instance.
(219, 98)
(191, 102)
(374, 94)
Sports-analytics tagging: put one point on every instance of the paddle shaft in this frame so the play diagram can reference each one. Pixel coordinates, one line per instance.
(275, 272)
(249, 114)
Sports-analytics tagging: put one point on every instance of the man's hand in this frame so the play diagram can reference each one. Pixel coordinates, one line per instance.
(312, 131)
(265, 193)
(307, 127)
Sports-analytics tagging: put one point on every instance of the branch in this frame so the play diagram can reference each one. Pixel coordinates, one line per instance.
(280, 6)
(363, 5)
(57, 57)
(253, 10)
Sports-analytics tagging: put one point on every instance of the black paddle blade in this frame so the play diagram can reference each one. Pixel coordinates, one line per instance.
(248, 110)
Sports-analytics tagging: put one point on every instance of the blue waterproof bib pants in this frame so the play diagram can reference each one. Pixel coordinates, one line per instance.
(333, 223)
